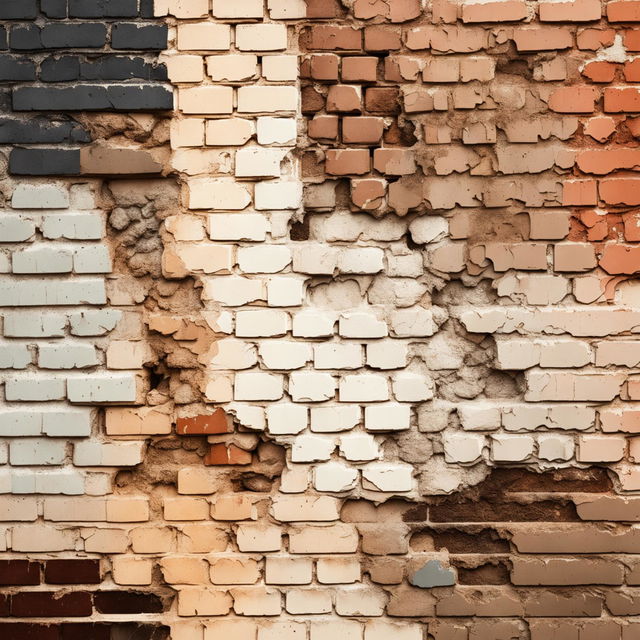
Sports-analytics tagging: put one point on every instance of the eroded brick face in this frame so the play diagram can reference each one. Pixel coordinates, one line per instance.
(342, 344)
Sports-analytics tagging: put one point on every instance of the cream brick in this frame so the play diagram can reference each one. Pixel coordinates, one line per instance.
(285, 292)
(338, 570)
(233, 355)
(206, 100)
(184, 570)
(555, 447)
(463, 447)
(309, 386)
(285, 355)
(220, 195)
(333, 419)
(280, 68)
(361, 325)
(286, 418)
(381, 630)
(308, 601)
(40, 538)
(359, 447)
(364, 388)
(334, 477)
(261, 37)
(254, 162)
(232, 68)
(264, 259)
(294, 479)
(259, 537)
(412, 387)
(393, 478)
(233, 291)
(311, 448)
(338, 356)
(238, 8)
(130, 571)
(594, 448)
(196, 601)
(287, 9)
(256, 601)
(18, 509)
(261, 324)
(280, 131)
(511, 448)
(313, 323)
(185, 509)
(184, 68)
(409, 323)
(228, 132)
(258, 386)
(361, 601)
(234, 629)
(361, 260)
(261, 99)
(152, 540)
(105, 540)
(181, 8)
(248, 226)
(305, 508)
(204, 36)
(284, 570)
(387, 354)
(188, 132)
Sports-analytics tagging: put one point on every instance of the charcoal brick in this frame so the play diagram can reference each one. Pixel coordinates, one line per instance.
(3, 38)
(19, 572)
(18, 9)
(62, 36)
(103, 8)
(93, 98)
(80, 571)
(25, 38)
(13, 68)
(147, 9)
(44, 162)
(62, 69)
(129, 35)
(122, 68)
(40, 130)
(54, 8)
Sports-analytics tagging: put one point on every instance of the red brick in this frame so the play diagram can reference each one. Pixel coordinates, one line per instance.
(323, 8)
(128, 602)
(325, 66)
(579, 193)
(599, 71)
(632, 70)
(623, 11)
(382, 100)
(312, 100)
(631, 226)
(576, 11)
(368, 194)
(576, 99)
(603, 161)
(542, 38)
(29, 631)
(222, 454)
(622, 100)
(394, 162)
(344, 99)
(88, 631)
(212, 424)
(324, 128)
(632, 40)
(594, 39)
(620, 191)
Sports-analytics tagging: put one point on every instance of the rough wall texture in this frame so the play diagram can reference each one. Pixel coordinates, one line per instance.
(336, 342)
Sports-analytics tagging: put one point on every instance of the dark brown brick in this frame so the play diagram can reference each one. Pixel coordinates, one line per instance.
(28, 631)
(19, 572)
(82, 571)
(48, 604)
(127, 602)
(87, 631)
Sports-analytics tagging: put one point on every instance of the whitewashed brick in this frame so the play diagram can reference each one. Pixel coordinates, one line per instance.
(313, 324)
(31, 196)
(393, 478)
(278, 196)
(479, 416)
(93, 259)
(35, 389)
(67, 356)
(281, 354)
(555, 447)
(408, 323)
(359, 447)
(383, 629)
(94, 322)
(361, 325)
(261, 324)
(73, 226)
(338, 356)
(233, 291)
(14, 293)
(34, 325)
(14, 228)
(111, 388)
(287, 419)
(334, 477)
(364, 388)
(65, 482)
(267, 259)
(247, 226)
(315, 259)
(14, 356)
(387, 354)
(308, 386)
(511, 448)
(20, 423)
(463, 447)
(261, 37)
(280, 131)
(218, 195)
(285, 292)
(108, 454)
(42, 259)
(255, 162)
(258, 386)
(361, 260)
(37, 451)
(387, 417)
(412, 387)
(69, 422)
(310, 448)
(333, 419)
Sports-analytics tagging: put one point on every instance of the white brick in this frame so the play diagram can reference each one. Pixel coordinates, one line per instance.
(258, 386)
(359, 447)
(281, 131)
(36, 451)
(31, 196)
(383, 629)
(35, 389)
(111, 388)
(267, 259)
(335, 477)
(181, 8)
(73, 226)
(412, 387)
(204, 36)
(70, 423)
(20, 423)
(412, 323)
(310, 448)
(261, 324)
(255, 162)
(338, 356)
(94, 322)
(315, 259)
(387, 354)
(286, 418)
(238, 8)
(66, 482)
(361, 325)
(14, 356)
(233, 355)
(34, 325)
(387, 417)
(15, 228)
(308, 386)
(511, 448)
(247, 226)
(463, 447)
(52, 292)
(93, 259)
(261, 37)
(280, 68)
(313, 324)
(42, 259)
(285, 355)
(364, 388)
(287, 9)
(335, 418)
(361, 260)
(278, 196)
(100, 454)
(387, 477)
(285, 292)
(67, 356)
(233, 291)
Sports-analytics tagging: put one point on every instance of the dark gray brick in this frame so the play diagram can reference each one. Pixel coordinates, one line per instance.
(63, 36)
(93, 98)
(103, 8)
(139, 37)
(44, 162)
(54, 8)
(16, 68)
(146, 9)
(122, 68)
(41, 130)
(25, 38)
(3, 38)
(18, 9)
(63, 69)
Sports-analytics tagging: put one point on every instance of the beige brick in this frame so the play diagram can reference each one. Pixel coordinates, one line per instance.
(229, 132)
(256, 601)
(205, 100)
(152, 539)
(238, 8)
(331, 629)
(282, 570)
(187, 133)
(259, 537)
(202, 538)
(181, 8)
(232, 68)
(196, 601)
(204, 36)
(261, 37)
(184, 570)
(129, 570)
(230, 630)
(234, 571)
(186, 509)
(338, 570)
(185, 68)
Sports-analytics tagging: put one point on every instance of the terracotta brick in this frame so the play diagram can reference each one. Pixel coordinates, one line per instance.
(330, 38)
(325, 67)
(359, 69)
(542, 38)
(344, 99)
(575, 11)
(215, 423)
(221, 454)
(621, 100)
(504, 11)
(600, 71)
(341, 162)
(382, 39)
(594, 39)
(363, 130)
(623, 11)
(577, 99)
(383, 100)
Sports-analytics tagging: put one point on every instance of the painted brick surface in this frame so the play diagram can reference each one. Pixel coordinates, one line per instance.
(335, 336)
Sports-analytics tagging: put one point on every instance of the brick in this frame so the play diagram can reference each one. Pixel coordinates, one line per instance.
(72, 572)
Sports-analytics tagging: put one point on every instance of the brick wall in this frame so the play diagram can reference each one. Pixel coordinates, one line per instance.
(338, 340)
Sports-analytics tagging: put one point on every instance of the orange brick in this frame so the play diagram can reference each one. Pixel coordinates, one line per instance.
(599, 71)
(603, 161)
(542, 38)
(594, 39)
(507, 11)
(577, 99)
(216, 423)
(623, 11)
(622, 100)
(579, 192)
(632, 40)
(222, 454)
(576, 11)
(620, 191)
(342, 162)
(617, 259)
